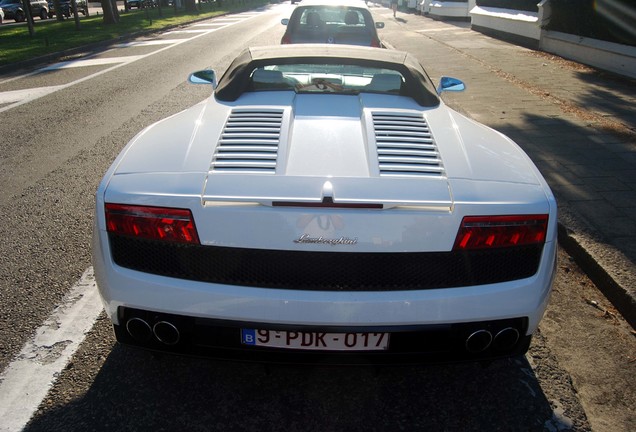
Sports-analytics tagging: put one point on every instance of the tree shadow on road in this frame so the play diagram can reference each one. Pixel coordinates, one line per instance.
(611, 96)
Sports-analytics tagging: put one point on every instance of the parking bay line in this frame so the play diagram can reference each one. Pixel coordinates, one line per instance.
(188, 31)
(30, 93)
(91, 62)
(147, 43)
(29, 377)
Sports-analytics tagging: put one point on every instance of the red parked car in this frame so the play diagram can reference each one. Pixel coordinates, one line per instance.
(337, 22)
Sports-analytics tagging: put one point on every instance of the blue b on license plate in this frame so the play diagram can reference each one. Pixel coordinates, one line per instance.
(315, 340)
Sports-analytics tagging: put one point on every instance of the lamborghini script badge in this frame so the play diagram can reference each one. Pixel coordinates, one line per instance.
(306, 238)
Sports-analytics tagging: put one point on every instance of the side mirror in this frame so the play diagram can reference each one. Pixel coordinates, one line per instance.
(284, 21)
(450, 84)
(379, 25)
(206, 76)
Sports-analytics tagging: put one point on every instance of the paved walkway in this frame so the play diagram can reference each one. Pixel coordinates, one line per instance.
(578, 124)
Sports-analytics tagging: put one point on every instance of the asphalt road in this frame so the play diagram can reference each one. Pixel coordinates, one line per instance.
(578, 375)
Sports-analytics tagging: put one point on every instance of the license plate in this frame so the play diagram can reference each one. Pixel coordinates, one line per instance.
(316, 340)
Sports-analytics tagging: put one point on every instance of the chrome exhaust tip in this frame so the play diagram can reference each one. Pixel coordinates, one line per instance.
(478, 341)
(166, 333)
(139, 329)
(506, 339)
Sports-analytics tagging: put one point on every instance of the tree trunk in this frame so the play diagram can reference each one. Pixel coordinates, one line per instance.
(75, 14)
(191, 6)
(110, 13)
(115, 10)
(26, 4)
(57, 8)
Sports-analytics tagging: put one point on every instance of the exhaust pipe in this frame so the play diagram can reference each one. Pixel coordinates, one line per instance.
(506, 339)
(139, 329)
(479, 341)
(166, 333)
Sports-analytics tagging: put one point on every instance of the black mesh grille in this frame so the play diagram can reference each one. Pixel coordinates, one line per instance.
(326, 271)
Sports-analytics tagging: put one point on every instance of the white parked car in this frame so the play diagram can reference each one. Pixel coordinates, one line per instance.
(325, 205)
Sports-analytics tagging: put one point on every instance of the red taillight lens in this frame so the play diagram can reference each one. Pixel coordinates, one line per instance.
(158, 223)
(285, 40)
(481, 232)
(376, 43)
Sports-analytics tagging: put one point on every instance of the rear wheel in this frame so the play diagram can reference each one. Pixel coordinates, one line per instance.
(19, 16)
(43, 14)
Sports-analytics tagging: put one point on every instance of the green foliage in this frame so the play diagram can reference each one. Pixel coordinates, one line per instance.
(52, 36)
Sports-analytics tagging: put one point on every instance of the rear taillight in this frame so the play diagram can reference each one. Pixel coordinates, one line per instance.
(158, 223)
(376, 43)
(286, 39)
(483, 232)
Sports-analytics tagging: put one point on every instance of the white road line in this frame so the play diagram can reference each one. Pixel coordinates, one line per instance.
(228, 20)
(147, 43)
(31, 93)
(19, 97)
(91, 62)
(210, 24)
(27, 380)
(186, 32)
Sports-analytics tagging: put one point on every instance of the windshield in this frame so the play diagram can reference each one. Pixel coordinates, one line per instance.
(326, 78)
(326, 15)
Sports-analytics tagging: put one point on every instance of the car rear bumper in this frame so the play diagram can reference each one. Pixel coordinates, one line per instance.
(219, 339)
(431, 325)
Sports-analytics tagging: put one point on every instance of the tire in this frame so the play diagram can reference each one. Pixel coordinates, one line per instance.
(19, 16)
(43, 14)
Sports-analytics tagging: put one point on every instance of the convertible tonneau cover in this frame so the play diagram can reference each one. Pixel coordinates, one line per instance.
(235, 81)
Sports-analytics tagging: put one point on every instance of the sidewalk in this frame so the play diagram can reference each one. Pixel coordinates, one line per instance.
(578, 125)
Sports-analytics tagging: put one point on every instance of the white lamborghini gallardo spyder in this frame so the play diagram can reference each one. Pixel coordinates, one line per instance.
(325, 205)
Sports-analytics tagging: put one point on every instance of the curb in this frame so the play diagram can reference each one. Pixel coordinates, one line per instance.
(613, 290)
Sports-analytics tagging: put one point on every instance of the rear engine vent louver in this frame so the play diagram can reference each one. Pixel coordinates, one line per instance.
(249, 142)
(405, 145)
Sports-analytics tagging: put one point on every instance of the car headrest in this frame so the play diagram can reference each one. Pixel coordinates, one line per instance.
(351, 18)
(313, 19)
(385, 82)
(270, 79)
